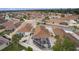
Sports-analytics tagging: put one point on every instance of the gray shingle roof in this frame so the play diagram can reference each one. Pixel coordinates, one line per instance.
(3, 40)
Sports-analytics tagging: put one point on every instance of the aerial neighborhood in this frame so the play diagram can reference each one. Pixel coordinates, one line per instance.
(39, 30)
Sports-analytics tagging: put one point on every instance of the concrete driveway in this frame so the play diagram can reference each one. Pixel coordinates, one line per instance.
(29, 42)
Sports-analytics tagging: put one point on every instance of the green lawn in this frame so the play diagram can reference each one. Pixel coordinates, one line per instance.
(5, 32)
(15, 46)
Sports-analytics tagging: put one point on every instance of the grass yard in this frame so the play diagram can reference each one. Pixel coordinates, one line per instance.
(15, 46)
(5, 32)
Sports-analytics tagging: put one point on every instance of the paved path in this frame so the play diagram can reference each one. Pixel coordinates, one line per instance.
(2, 30)
(29, 42)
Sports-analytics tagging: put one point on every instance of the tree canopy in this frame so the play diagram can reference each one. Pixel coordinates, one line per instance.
(67, 10)
(64, 45)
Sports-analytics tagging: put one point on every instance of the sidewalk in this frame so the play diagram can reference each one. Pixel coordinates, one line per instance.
(29, 42)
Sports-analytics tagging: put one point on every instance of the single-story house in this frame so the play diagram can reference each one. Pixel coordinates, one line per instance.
(9, 25)
(3, 42)
(59, 32)
(25, 30)
(41, 37)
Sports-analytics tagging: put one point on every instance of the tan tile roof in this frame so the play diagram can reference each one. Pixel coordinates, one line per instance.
(60, 32)
(66, 18)
(56, 21)
(9, 25)
(17, 24)
(71, 17)
(26, 28)
(41, 32)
